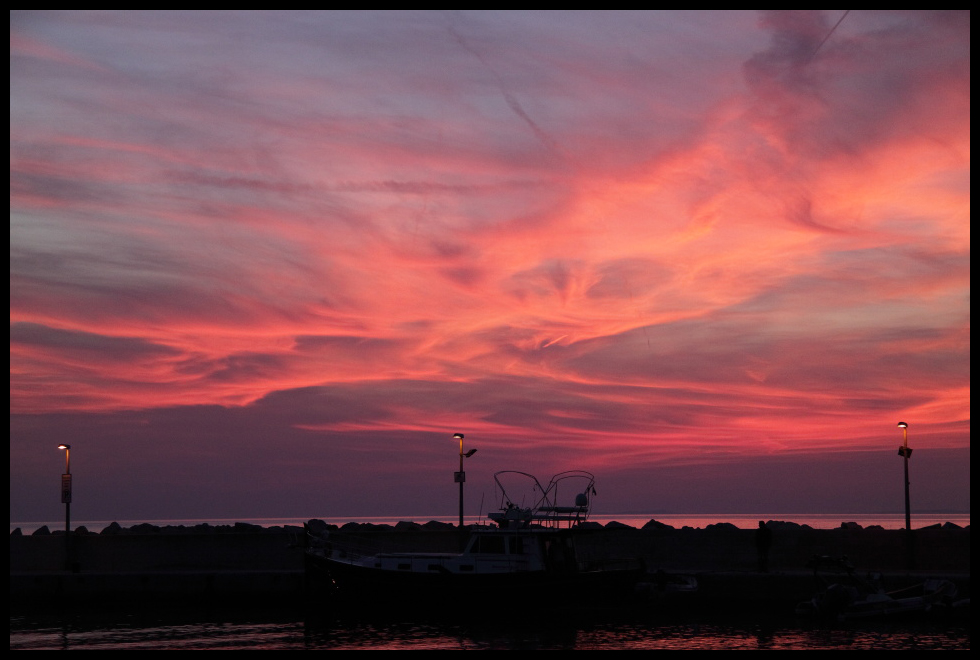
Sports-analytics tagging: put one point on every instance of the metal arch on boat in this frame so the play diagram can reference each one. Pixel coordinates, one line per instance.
(529, 548)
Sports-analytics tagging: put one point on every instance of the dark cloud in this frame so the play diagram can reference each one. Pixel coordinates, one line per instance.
(88, 346)
(552, 277)
(623, 279)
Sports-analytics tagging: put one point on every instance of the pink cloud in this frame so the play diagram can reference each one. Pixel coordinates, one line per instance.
(708, 245)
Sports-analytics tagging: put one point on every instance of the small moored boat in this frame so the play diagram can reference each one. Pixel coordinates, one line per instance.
(528, 554)
(843, 595)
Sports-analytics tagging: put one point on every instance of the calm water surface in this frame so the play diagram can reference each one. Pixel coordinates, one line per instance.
(609, 630)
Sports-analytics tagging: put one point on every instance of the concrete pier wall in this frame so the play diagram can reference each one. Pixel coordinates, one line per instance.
(725, 548)
(263, 563)
(160, 552)
(715, 548)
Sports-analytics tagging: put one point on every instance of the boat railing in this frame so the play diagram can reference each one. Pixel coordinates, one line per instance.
(354, 549)
(347, 547)
(546, 510)
(559, 514)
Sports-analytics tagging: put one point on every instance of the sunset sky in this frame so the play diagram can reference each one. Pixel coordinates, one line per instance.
(265, 264)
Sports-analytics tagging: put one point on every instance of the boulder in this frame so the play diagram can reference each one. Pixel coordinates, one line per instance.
(656, 524)
(407, 526)
(615, 524)
(317, 527)
(590, 525)
(435, 525)
(782, 525)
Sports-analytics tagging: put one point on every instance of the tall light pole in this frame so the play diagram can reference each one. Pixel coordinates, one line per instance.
(906, 452)
(66, 499)
(460, 476)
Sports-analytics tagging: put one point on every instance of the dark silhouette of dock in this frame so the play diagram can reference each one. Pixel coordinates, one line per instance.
(146, 564)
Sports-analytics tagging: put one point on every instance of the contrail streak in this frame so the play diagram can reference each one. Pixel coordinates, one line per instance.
(511, 100)
(846, 12)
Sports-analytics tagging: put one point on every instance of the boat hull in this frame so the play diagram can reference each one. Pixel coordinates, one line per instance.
(352, 584)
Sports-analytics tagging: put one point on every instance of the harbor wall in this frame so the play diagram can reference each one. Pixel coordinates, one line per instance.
(717, 547)
(726, 548)
(245, 560)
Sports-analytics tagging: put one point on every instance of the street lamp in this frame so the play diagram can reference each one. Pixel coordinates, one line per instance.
(66, 499)
(460, 477)
(906, 452)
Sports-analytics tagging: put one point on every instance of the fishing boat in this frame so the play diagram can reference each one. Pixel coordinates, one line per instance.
(844, 595)
(525, 554)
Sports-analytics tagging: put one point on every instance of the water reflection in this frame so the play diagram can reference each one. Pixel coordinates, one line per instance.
(278, 629)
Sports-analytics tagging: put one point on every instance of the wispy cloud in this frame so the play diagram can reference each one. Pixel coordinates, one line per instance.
(674, 237)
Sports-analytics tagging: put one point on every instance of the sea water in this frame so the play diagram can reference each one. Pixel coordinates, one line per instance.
(289, 629)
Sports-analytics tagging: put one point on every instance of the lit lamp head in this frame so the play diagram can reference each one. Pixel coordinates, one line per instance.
(904, 450)
(67, 449)
(459, 436)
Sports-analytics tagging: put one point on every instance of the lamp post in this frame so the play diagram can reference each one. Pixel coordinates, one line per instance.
(66, 499)
(460, 477)
(906, 452)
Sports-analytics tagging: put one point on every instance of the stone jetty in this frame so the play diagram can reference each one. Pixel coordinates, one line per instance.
(148, 564)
